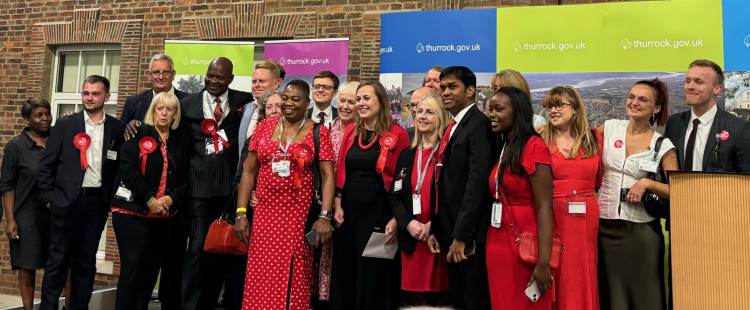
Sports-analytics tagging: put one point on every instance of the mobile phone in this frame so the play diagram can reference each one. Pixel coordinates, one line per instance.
(624, 194)
(310, 237)
(533, 292)
(469, 250)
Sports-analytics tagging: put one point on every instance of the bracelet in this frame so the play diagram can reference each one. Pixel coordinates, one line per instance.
(150, 200)
(240, 216)
(326, 215)
(241, 209)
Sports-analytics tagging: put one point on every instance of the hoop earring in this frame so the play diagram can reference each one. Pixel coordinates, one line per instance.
(653, 117)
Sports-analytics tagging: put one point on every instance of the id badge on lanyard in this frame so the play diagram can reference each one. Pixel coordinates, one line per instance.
(281, 165)
(497, 208)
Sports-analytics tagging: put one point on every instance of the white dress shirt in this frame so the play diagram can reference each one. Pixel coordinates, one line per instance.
(209, 105)
(93, 175)
(458, 117)
(621, 172)
(329, 115)
(154, 93)
(701, 137)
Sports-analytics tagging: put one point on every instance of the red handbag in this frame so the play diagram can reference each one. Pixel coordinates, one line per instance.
(221, 239)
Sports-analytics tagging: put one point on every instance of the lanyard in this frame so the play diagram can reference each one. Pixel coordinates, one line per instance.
(497, 175)
(283, 147)
(421, 174)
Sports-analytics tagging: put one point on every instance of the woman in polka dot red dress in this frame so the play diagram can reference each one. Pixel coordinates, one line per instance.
(279, 169)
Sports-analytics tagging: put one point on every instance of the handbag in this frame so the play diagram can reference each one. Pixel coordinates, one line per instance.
(528, 246)
(654, 205)
(317, 200)
(220, 238)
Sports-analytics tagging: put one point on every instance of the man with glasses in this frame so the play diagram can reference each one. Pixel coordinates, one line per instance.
(325, 86)
(160, 75)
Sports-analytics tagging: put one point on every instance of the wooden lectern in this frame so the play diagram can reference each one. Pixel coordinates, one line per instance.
(710, 240)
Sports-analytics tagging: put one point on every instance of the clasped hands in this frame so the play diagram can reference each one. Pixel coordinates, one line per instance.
(160, 205)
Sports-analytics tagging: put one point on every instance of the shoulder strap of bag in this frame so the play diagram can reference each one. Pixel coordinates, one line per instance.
(657, 147)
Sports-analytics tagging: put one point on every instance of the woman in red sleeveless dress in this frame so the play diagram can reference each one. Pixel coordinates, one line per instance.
(576, 153)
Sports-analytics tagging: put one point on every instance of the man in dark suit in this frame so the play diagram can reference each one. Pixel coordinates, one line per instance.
(720, 141)
(211, 174)
(462, 211)
(325, 86)
(416, 96)
(160, 74)
(75, 179)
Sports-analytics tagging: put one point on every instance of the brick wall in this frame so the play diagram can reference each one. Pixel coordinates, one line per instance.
(33, 29)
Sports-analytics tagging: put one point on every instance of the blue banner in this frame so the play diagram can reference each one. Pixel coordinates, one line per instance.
(736, 35)
(412, 42)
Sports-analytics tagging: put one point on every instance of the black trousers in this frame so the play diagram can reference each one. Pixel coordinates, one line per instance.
(142, 242)
(172, 265)
(468, 282)
(203, 273)
(74, 240)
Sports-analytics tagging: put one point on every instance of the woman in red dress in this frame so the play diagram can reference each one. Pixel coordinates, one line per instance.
(279, 262)
(522, 182)
(423, 275)
(576, 168)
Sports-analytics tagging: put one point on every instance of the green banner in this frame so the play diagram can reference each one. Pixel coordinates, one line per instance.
(193, 57)
(661, 35)
(558, 38)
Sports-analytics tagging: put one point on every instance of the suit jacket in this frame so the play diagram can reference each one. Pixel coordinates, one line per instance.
(211, 175)
(247, 115)
(401, 201)
(137, 105)
(463, 190)
(410, 131)
(143, 187)
(60, 176)
(730, 155)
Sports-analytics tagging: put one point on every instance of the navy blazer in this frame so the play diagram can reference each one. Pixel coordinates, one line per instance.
(212, 175)
(463, 190)
(60, 176)
(730, 155)
(143, 187)
(136, 106)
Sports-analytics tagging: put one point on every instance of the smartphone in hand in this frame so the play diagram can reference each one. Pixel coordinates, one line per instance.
(533, 292)
(310, 237)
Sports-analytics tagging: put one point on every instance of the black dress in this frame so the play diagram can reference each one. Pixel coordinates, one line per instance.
(361, 282)
(19, 169)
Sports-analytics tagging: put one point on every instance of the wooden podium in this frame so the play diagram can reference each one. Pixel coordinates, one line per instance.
(710, 240)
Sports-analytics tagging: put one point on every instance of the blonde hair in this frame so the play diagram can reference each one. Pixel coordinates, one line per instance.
(435, 103)
(511, 78)
(579, 124)
(349, 88)
(271, 66)
(169, 100)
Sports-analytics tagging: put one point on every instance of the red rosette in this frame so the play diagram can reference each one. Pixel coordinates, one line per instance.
(210, 127)
(304, 154)
(387, 142)
(82, 141)
(147, 145)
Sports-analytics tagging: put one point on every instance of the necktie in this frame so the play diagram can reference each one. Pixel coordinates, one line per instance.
(444, 141)
(691, 145)
(218, 112)
(322, 116)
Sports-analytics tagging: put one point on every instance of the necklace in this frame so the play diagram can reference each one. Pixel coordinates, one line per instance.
(642, 136)
(369, 145)
(563, 148)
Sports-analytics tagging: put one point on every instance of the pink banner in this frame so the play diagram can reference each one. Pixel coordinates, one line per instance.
(307, 58)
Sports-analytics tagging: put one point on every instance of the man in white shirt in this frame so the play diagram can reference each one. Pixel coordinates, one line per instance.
(324, 88)
(266, 76)
(75, 178)
(708, 138)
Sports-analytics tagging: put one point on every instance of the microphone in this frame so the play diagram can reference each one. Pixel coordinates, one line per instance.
(717, 151)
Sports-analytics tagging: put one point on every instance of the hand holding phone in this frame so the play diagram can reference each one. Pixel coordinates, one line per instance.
(533, 292)
(310, 237)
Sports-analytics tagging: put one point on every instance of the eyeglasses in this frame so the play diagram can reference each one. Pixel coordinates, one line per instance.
(322, 86)
(162, 73)
(558, 107)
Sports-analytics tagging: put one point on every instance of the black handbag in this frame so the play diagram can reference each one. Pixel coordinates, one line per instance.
(317, 200)
(656, 206)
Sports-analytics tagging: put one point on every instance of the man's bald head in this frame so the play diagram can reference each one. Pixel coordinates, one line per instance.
(219, 76)
(418, 95)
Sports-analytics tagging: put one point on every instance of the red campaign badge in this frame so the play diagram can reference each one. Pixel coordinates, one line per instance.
(209, 127)
(724, 135)
(618, 144)
(304, 154)
(388, 142)
(82, 141)
(147, 145)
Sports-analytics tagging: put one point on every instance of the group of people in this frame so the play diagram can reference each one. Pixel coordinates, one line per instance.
(498, 211)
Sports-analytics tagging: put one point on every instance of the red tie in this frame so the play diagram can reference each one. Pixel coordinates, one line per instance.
(218, 112)
(444, 141)
(322, 116)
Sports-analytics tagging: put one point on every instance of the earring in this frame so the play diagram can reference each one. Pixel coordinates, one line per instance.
(653, 117)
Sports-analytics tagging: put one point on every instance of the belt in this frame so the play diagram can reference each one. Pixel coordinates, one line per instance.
(90, 190)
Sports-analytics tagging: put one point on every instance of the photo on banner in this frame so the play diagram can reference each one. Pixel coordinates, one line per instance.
(303, 59)
(191, 60)
(736, 57)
